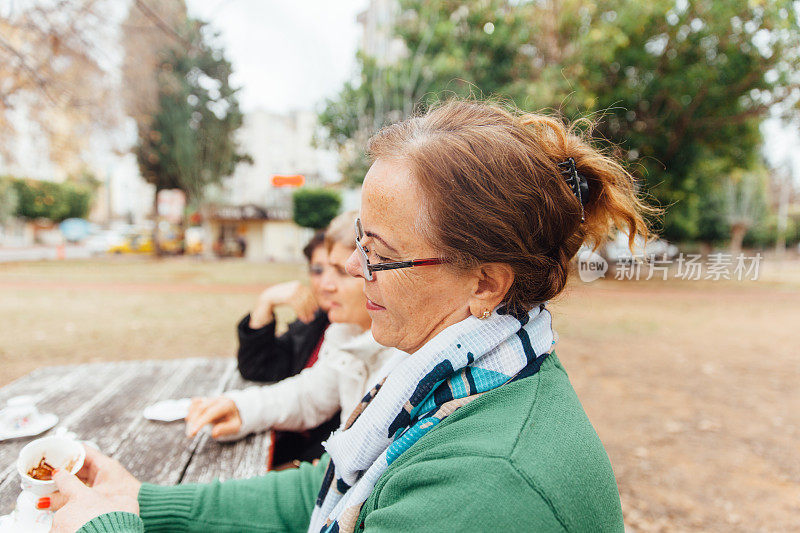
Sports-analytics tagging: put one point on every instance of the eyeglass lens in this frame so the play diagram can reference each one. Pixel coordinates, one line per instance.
(362, 254)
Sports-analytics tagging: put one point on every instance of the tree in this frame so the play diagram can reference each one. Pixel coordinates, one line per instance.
(45, 199)
(315, 208)
(8, 200)
(745, 204)
(669, 84)
(148, 33)
(674, 84)
(54, 72)
(189, 142)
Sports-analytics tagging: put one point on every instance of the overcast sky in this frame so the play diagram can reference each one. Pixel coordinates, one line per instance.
(285, 55)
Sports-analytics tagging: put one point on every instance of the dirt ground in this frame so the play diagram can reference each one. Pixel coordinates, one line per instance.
(691, 385)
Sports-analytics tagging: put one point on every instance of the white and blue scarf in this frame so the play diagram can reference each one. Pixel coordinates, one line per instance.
(459, 364)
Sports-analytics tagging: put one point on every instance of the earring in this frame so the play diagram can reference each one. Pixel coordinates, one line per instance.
(485, 315)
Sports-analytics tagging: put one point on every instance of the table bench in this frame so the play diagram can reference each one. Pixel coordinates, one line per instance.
(103, 403)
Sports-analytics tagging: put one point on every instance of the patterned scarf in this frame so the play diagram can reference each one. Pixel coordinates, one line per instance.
(457, 366)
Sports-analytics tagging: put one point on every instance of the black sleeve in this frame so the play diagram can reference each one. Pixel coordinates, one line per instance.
(263, 356)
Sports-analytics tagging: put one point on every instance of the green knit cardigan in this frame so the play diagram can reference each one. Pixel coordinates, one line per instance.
(523, 457)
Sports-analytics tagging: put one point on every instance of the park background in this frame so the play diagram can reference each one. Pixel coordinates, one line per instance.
(163, 162)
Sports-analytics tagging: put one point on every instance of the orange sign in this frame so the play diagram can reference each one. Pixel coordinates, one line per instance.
(296, 180)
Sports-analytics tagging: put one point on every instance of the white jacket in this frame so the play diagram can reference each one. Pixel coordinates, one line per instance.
(350, 362)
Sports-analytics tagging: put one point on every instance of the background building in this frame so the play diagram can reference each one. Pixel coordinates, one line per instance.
(280, 144)
(250, 211)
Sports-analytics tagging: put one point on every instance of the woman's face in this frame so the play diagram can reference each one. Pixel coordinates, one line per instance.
(316, 267)
(344, 293)
(408, 306)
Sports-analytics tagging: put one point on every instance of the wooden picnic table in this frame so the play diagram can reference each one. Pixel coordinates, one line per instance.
(103, 403)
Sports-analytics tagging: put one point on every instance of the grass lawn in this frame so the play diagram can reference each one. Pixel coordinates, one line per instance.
(125, 308)
(691, 385)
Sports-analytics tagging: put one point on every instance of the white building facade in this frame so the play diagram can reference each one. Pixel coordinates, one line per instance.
(280, 144)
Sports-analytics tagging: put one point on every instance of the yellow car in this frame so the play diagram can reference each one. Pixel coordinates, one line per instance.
(133, 243)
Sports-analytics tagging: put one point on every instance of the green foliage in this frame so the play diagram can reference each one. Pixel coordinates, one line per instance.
(793, 232)
(677, 86)
(44, 199)
(315, 208)
(190, 143)
(671, 85)
(712, 225)
(354, 169)
(8, 200)
(764, 234)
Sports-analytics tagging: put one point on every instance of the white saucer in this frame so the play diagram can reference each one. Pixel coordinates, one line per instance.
(9, 525)
(26, 518)
(38, 425)
(168, 410)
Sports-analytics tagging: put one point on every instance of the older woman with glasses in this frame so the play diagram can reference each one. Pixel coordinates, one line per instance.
(470, 215)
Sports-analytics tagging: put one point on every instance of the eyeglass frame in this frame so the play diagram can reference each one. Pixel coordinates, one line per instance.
(368, 268)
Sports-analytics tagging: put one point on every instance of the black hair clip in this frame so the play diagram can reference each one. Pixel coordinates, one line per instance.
(577, 182)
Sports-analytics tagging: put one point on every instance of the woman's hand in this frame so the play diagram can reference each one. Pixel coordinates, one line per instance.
(292, 293)
(101, 486)
(220, 411)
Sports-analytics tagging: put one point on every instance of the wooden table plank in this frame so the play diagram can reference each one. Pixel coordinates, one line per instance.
(104, 402)
(61, 396)
(159, 452)
(236, 460)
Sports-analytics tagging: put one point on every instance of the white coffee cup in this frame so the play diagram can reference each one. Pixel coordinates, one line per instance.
(19, 412)
(58, 452)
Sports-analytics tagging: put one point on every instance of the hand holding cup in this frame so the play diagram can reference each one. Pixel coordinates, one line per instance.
(77, 504)
(95, 485)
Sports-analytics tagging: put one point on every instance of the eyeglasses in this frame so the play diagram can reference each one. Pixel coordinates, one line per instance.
(367, 268)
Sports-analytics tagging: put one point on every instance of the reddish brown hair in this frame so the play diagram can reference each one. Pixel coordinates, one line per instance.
(494, 192)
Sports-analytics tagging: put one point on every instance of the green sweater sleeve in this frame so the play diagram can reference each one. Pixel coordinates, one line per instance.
(442, 495)
(278, 501)
(116, 522)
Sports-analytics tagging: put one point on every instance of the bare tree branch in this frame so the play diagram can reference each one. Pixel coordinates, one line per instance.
(160, 23)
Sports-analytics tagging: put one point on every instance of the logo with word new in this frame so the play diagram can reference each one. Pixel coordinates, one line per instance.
(591, 266)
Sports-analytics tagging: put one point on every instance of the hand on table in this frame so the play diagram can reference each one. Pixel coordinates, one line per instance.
(292, 293)
(221, 412)
(101, 486)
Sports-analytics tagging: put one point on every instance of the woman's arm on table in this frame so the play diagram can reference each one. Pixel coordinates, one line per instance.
(278, 501)
(297, 403)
